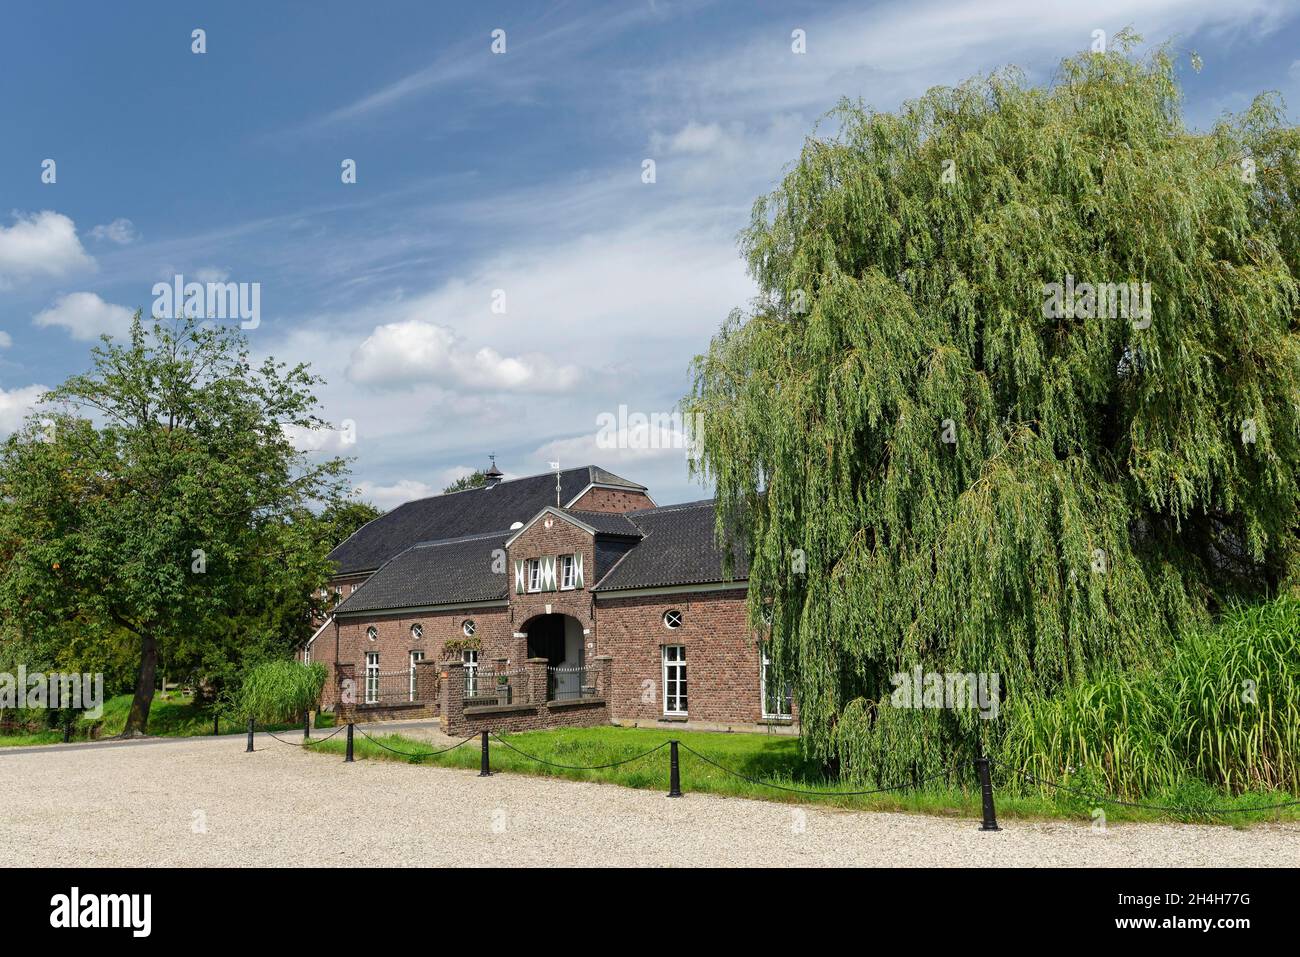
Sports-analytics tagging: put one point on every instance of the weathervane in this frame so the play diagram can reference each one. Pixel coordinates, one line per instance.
(556, 466)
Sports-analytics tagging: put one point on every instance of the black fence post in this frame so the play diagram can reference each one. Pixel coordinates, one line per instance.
(348, 757)
(216, 724)
(484, 766)
(986, 792)
(250, 735)
(306, 725)
(674, 772)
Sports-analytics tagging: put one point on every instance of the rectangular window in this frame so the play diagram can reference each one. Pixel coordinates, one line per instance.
(776, 697)
(470, 658)
(415, 656)
(566, 572)
(674, 679)
(306, 655)
(372, 677)
(534, 574)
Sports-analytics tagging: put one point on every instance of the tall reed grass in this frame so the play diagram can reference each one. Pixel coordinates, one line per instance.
(1223, 709)
(278, 691)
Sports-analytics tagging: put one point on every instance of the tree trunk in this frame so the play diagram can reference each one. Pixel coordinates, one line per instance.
(137, 720)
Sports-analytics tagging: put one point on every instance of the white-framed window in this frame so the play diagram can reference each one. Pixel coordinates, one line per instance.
(534, 570)
(777, 697)
(306, 655)
(415, 656)
(417, 631)
(372, 677)
(470, 658)
(372, 632)
(672, 618)
(567, 564)
(674, 679)
(468, 628)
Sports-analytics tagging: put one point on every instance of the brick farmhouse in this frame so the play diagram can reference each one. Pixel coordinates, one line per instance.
(565, 598)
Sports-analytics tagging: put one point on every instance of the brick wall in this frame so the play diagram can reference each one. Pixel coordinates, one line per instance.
(612, 500)
(394, 641)
(534, 714)
(723, 662)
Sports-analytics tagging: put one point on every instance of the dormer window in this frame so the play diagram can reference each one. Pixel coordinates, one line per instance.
(566, 572)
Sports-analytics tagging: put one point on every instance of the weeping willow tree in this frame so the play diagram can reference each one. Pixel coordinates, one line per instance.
(1020, 394)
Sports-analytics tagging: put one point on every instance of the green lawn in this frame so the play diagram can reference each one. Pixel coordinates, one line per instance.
(173, 715)
(772, 758)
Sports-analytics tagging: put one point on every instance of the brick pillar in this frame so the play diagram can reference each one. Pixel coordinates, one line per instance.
(536, 680)
(426, 682)
(348, 692)
(451, 705)
(603, 676)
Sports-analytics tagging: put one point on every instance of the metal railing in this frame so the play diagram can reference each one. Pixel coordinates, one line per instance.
(485, 687)
(389, 688)
(570, 683)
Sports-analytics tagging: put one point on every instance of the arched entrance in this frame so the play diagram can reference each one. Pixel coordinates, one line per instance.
(558, 638)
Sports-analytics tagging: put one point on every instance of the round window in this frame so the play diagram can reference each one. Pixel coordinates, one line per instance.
(372, 633)
(468, 628)
(417, 632)
(672, 618)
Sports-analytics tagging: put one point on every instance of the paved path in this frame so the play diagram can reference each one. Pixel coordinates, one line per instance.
(203, 801)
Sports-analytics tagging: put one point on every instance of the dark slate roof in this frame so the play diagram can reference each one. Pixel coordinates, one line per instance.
(679, 548)
(433, 573)
(606, 523)
(457, 514)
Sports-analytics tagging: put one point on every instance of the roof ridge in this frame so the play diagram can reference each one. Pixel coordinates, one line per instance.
(452, 541)
(678, 505)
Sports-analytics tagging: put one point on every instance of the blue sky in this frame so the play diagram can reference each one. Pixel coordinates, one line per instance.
(476, 172)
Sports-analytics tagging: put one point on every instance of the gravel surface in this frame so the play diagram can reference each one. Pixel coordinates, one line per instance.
(203, 801)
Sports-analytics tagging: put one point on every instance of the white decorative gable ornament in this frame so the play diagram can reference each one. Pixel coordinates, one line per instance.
(548, 523)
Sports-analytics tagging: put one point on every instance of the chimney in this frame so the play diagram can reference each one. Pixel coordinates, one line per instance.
(493, 475)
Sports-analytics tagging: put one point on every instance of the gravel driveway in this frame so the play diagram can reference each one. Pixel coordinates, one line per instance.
(205, 802)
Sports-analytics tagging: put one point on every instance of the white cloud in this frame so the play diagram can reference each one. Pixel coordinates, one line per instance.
(211, 274)
(85, 316)
(390, 496)
(15, 404)
(120, 231)
(6, 340)
(340, 441)
(407, 353)
(696, 138)
(41, 244)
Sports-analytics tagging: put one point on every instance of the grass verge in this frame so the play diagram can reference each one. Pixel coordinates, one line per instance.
(175, 715)
(772, 759)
